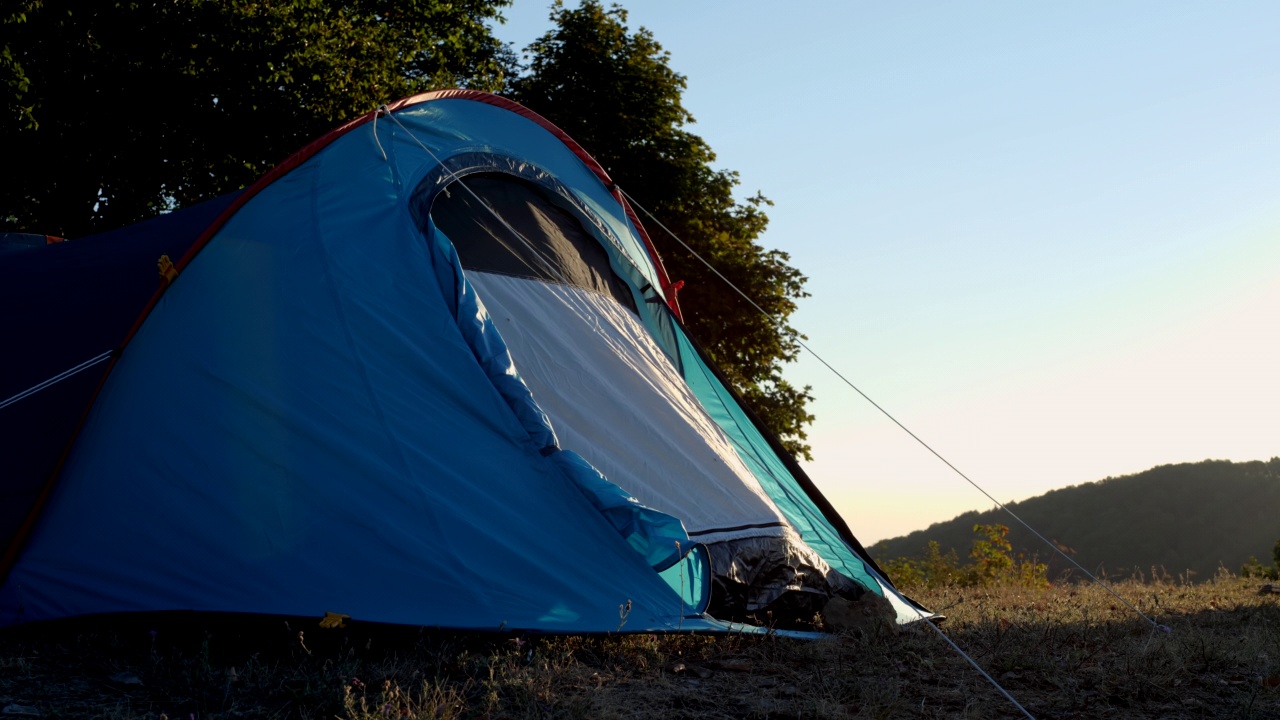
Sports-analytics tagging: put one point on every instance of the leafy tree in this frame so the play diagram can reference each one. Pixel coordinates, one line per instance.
(613, 90)
(16, 82)
(118, 109)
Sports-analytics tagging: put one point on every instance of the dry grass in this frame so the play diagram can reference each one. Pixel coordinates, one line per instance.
(1064, 652)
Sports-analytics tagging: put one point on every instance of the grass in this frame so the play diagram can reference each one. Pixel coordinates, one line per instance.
(1063, 652)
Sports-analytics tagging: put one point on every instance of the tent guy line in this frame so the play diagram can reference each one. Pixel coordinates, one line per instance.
(507, 225)
(510, 228)
(1155, 625)
(57, 378)
(384, 109)
(90, 363)
(978, 667)
(923, 617)
(334, 321)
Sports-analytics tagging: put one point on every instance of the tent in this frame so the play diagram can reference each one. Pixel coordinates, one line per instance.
(427, 371)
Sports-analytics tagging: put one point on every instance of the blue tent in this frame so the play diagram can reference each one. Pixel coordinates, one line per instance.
(427, 371)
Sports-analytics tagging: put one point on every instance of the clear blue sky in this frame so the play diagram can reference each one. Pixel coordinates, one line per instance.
(1045, 236)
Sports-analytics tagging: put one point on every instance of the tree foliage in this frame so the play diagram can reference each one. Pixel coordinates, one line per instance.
(614, 91)
(118, 109)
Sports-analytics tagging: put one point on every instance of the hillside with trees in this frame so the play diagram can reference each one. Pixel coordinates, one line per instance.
(1169, 519)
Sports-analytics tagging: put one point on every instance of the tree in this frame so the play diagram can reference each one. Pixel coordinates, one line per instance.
(116, 110)
(614, 92)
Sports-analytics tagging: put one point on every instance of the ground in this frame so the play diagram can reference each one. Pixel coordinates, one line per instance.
(1062, 652)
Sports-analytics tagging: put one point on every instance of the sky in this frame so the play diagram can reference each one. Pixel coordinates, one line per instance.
(1043, 236)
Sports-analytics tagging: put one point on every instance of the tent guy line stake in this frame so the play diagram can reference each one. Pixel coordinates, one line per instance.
(904, 428)
(57, 378)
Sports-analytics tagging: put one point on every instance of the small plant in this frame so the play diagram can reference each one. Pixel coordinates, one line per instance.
(1255, 569)
(993, 563)
(434, 700)
(936, 570)
(992, 554)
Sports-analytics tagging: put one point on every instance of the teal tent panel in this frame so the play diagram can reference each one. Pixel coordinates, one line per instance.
(778, 483)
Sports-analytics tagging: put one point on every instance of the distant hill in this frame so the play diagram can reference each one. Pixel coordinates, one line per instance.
(1191, 516)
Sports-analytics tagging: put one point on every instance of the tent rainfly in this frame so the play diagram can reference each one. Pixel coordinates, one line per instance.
(427, 371)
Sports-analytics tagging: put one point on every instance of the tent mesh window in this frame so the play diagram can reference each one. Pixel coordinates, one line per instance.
(524, 234)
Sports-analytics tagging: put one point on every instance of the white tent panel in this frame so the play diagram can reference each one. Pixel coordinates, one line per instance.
(614, 397)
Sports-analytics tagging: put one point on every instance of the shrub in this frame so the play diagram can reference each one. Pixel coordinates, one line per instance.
(935, 570)
(1255, 569)
(993, 563)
